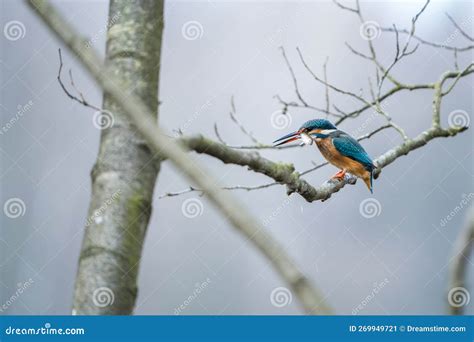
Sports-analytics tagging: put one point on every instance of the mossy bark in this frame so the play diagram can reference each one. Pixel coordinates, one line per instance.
(124, 175)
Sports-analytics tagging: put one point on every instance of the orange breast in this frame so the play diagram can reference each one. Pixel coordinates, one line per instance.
(334, 157)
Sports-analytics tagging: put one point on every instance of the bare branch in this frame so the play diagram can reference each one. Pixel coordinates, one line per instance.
(234, 187)
(286, 105)
(263, 147)
(327, 87)
(387, 117)
(295, 82)
(371, 134)
(404, 52)
(182, 192)
(140, 115)
(285, 174)
(280, 172)
(420, 12)
(303, 103)
(433, 44)
(455, 55)
(458, 27)
(355, 10)
(218, 135)
(358, 53)
(81, 100)
(400, 52)
(268, 147)
(266, 185)
(314, 168)
(383, 97)
(465, 72)
(344, 92)
(233, 116)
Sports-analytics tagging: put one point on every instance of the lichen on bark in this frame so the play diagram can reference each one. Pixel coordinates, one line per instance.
(112, 245)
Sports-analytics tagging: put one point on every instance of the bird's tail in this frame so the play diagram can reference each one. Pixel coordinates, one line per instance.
(372, 181)
(369, 179)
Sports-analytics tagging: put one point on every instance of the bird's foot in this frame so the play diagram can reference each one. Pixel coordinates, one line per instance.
(340, 175)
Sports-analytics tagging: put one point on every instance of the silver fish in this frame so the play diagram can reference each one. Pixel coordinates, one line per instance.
(306, 139)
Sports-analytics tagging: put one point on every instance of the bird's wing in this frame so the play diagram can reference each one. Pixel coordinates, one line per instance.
(349, 147)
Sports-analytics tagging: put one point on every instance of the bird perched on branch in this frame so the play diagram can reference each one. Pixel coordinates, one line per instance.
(338, 147)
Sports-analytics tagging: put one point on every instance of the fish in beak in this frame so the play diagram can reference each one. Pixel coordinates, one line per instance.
(298, 135)
(287, 138)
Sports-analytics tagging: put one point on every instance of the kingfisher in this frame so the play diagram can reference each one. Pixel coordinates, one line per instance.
(337, 147)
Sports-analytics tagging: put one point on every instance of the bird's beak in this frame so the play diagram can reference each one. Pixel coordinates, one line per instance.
(287, 138)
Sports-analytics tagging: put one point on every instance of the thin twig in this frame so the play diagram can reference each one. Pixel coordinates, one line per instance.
(286, 105)
(233, 116)
(81, 100)
(234, 187)
(371, 134)
(344, 92)
(458, 77)
(218, 135)
(327, 87)
(356, 52)
(345, 7)
(295, 82)
(139, 115)
(464, 33)
(432, 44)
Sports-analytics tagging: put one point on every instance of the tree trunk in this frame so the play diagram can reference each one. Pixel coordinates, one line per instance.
(124, 175)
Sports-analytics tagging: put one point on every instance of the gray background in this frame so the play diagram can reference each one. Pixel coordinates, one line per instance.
(47, 155)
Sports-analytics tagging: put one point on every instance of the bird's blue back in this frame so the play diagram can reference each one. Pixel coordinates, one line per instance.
(349, 147)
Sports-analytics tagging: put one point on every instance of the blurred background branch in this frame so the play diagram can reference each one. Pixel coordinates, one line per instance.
(460, 262)
(280, 173)
(141, 117)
